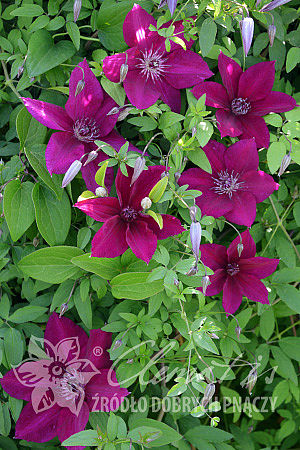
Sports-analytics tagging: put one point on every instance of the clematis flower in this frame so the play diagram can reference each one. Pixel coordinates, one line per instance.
(125, 222)
(73, 379)
(235, 275)
(244, 99)
(153, 72)
(235, 184)
(83, 120)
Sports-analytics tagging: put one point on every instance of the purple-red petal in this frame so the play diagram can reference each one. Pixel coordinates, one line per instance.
(217, 281)
(33, 427)
(255, 127)
(243, 211)
(69, 424)
(171, 226)
(62, 150)
(214, 204)
(141, 92)
(230, 72)
(110, 240)
(228, 124)
(242, 157)
(258, 266)
(260, 184)
(252, 288)
(256, 82)
(232, 295)
(100, 209)
(98, 344)
(216, 95)
(249, 249)
(52, 116)
(143, 185)
(136, 26)
(214, 256)
(141, 239)
(275, 102)
(13, 387)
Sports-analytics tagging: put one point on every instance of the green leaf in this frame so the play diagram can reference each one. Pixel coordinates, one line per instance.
(285, 365)
(43, 55)
(207, 433)
(18, 207)
(290, 346)
(157, 217)
(168, 435)
(158, 190)
(199, 158)
(134, 286)
(167, 119)
(28, 11)
(84, 309)
(53, 216)
(27, 314)
(106, 268)
(290, 295)
(74, 33)
(204, 132)
(292, 59)
(100, 174)
(267, 323)
(204, 341)
(51, 264)
(114, 90)
(36, 157)
(29, 129)
(86, 437)
(276, 152)
(13, 346)
(207, 36)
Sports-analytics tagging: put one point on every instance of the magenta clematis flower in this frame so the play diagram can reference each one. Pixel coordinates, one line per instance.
(244, 99)
(235, 184)
(125, 222)
(153, 72)
(83, 120)
(73, 379)
(237, 276)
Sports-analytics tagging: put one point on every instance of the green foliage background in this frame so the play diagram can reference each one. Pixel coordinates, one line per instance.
(45, 243)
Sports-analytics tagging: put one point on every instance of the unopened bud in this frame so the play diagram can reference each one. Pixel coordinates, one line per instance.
(101, 191)
(177, 175)
(124, 113)
(176, 282)
(240, 248)
(208, 394)
(139, 166)
(247, 27)
(118, 344)
(123, 72)
(195, 234)
(113, 111)
(152, 438)
(35, 242)
(146, 203)
(32, 79)
(91, 156)
(20, 70)
(63, 309)
(129, 361)
(271, 33)
(193, 271)
(286, 160)
(193, 212)
(79, 87)
(76, 9)
(205, 283)
(71, 172)
(251, 380)
(1, 197)
(238, 331)
(194, 131)
(214, 336)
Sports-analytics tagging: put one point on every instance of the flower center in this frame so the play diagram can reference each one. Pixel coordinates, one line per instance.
(72, 384)
(240, 106)
(227, 183)
(152, 64)
(86, 130)
(56, 369)
(128, 214)
(233, 269)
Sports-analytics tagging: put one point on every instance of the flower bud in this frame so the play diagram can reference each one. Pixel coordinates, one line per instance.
(101, 192)
(238, 331)
(247, 33)
(271, 33)
(214, 336)
(146, 203)
(124, 113)
(194, 131)
(79, 87)
(193, 271)
(208, 394)
(240, 248)
(286, 160)
(118, 344)
(71, 172)
(205, 283)
(35, 242)
(1, 197)
(76, 9)
(63, 309)
(176, 282)
(32, 79)
(123, 72)
(195, 233)
(138, 168)
(91, 156)
(177, 175)
(193, 212)
(251, 380)
(162, 3)
(113, 111)
(274, 4)
(20, 70)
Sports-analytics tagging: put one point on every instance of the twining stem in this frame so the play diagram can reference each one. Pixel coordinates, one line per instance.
(9, 81)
